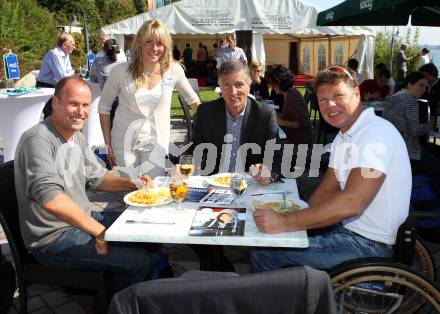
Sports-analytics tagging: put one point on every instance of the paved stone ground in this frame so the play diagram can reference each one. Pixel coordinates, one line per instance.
(45, 299)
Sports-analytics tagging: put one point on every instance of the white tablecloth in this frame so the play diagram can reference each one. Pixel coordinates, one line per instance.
(178, 232)
(19, 113)
(92, 128)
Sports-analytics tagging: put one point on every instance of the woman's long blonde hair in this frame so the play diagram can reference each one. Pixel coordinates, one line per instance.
(150, 30)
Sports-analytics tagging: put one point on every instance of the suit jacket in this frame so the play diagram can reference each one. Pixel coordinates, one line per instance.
(434, 98)
(259, 125)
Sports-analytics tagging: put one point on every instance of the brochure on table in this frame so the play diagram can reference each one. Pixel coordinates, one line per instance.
(211, 196)
(218, 221)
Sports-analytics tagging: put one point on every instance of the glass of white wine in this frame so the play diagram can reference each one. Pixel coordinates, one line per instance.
(186, 166)
(238, 184)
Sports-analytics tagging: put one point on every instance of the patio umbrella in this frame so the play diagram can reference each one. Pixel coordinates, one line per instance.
(382, 12)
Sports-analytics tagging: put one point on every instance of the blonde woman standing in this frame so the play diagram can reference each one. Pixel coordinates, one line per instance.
(139, 138)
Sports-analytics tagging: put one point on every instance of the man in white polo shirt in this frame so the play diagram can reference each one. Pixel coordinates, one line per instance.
(364, 195)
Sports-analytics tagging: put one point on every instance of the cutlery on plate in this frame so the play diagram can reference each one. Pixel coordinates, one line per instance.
(156, 222)
(284, 201)
(273, 192)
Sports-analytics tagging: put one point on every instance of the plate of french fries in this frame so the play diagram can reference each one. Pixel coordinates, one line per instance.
(223, 179)
(149, 197)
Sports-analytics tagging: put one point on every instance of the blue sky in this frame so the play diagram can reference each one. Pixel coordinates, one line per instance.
(428, 35)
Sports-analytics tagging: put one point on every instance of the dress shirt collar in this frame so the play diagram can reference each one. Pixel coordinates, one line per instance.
(60, 51)
(241, 114)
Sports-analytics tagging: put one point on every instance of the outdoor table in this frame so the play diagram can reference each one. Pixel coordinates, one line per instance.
(92, 127)
(19, 113)
(183, 218)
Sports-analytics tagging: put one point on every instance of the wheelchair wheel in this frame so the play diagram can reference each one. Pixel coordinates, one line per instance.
(423, 260)
(383, 287)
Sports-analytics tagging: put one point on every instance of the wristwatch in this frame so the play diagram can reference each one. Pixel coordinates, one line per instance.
(274, 177)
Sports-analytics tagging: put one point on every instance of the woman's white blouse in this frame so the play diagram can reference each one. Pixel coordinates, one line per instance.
(143, 117)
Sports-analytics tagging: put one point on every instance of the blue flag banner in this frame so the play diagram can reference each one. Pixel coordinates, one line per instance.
(90, 58)
(12, 71)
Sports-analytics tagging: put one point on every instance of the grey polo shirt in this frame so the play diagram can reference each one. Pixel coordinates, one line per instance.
(45, 166)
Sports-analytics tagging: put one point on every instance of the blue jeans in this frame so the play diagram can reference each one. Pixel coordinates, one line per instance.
(324, 252)
(75, 249)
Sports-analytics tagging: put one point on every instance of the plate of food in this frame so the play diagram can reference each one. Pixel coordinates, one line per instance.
(148, 198)
(223, 179)
(275, 201)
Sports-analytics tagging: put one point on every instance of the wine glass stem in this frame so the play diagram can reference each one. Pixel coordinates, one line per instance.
(179, 205)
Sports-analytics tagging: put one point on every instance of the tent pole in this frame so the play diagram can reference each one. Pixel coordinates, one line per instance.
(392, 49)
(329, 50)
(349, 46)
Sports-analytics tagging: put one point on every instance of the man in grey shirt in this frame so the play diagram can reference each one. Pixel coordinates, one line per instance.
(53, 167)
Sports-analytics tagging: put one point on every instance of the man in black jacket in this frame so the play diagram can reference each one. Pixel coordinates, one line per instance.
(433, 93)
(234, 134)
(243, 131)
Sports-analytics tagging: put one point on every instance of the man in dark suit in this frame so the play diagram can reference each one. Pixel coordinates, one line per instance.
(433, 92)
(243, 131)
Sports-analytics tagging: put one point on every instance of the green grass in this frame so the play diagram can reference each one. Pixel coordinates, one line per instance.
(176, 109)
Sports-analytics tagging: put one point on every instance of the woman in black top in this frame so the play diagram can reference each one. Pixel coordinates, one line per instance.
(294, 118)
(259, 87)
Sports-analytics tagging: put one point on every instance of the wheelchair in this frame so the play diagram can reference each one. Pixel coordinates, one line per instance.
(402, 284)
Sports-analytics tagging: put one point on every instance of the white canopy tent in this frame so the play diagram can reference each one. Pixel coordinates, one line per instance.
(292, 17)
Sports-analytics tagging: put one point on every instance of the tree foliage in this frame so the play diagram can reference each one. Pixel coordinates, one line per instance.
(28, 30)
(382, 51)
(141, 6)
(78, 56)
(30, 27)
(112, 11)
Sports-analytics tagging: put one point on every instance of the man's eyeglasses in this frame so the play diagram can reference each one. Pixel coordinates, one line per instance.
(339, 70)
